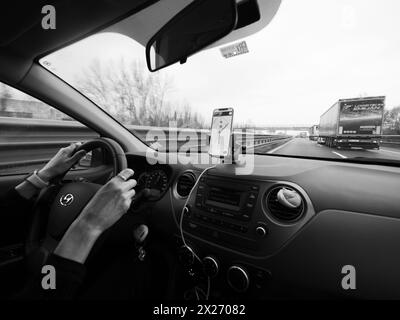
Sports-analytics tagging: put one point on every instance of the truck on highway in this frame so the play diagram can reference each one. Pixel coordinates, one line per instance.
(353, 123)
(313, 132)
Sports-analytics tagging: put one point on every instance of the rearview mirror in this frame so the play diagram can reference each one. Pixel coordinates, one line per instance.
(195, 27)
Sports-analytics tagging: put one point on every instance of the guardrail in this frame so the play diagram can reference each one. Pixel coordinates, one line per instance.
(261, 142)
(36, 140)
(390, 141)
(26, 142)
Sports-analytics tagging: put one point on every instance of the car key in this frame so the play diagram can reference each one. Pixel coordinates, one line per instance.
(140, 235)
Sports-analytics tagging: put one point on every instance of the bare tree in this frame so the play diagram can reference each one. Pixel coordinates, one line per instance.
(135, 96)
(391, 121)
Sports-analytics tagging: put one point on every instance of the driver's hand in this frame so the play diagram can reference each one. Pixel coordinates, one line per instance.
(107, 206)
(110, 203)
(61, 162)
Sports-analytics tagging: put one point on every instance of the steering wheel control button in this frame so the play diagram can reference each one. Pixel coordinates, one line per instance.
(238, 278)
(210, 266)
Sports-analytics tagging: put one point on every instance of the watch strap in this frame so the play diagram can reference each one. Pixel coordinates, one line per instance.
(36, 181)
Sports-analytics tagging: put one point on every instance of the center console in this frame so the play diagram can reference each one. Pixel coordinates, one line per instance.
(233, 213)
(231, 222)
(235, 200)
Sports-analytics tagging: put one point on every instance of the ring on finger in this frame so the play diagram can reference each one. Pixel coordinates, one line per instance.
(122, 176)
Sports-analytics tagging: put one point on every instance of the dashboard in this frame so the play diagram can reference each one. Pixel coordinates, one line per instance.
(346, 214)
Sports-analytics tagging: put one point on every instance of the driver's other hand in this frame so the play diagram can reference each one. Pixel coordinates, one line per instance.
(110, 203)
(64, 159)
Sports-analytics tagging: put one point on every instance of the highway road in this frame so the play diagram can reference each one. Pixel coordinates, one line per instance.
(305, 147)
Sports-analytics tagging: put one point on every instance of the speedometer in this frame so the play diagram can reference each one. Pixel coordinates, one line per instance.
(142, 181)
(157, 179)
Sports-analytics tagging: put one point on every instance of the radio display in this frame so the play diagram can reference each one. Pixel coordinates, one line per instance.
(225, 196)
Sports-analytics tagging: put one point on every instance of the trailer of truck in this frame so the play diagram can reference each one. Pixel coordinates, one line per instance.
(353, 123)
(313, 133)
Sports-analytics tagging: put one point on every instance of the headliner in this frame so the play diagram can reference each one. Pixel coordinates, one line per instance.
(23, 41)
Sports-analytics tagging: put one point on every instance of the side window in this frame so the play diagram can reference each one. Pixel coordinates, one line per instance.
(31, 132)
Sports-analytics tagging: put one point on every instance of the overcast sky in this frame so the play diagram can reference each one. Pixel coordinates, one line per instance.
(312, 53)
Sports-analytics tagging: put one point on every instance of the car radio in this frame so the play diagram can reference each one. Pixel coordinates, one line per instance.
(227, 198)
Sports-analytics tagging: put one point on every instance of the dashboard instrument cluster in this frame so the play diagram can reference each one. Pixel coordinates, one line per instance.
(156, 180)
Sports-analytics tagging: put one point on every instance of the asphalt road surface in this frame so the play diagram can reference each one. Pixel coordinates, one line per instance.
(305, 147)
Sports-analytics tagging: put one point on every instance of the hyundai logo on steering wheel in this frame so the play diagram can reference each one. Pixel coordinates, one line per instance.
(66, 200)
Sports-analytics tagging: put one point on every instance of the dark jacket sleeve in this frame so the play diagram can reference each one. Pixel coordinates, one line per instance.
(15, 214)
(69, 276)
(12, 201)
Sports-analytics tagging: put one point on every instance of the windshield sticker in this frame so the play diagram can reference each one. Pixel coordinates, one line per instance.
(234, 49)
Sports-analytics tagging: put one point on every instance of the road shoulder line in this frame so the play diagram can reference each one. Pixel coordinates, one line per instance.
(281, 146)
(340, 155)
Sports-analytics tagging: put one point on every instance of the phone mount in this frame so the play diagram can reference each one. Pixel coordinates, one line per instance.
(233, 156)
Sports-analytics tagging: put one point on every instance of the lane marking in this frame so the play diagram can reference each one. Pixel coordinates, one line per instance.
(340, 155)
(278, 148)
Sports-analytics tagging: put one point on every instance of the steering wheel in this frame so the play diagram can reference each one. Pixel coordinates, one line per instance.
(59, 204)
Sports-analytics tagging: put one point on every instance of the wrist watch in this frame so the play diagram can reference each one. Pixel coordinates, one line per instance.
(36, 181)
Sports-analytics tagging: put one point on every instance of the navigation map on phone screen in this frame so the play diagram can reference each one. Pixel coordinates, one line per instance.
(221, 132)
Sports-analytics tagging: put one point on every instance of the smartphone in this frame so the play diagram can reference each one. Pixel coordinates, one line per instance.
(221, 133)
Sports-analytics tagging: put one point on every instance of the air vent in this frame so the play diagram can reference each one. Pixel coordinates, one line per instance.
(288, 209)
(185, 183)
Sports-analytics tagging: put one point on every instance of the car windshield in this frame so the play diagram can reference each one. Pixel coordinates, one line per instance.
(321, 80)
